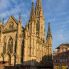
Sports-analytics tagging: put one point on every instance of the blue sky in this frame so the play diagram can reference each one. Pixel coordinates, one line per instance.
(55, 11)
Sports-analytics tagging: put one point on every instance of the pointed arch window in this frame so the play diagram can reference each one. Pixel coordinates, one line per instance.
(4, 47)
(37, 26)
(10, 46)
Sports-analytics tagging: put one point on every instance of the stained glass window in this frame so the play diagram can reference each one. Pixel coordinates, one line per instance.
(37, 26)
(10, 46)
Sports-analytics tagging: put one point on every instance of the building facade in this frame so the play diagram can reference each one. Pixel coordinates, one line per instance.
(20, 44)
(61, 57)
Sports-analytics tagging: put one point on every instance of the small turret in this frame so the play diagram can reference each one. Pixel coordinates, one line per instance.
(32, 20)
(32, 14)
(49, 42)
(19, 41)
(1, 29)
(49, 34)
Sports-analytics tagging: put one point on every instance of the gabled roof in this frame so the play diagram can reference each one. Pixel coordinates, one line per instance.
(66, 44)
(13, 18)
(9, 21)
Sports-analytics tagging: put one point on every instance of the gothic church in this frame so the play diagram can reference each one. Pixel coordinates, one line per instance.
(19, 44)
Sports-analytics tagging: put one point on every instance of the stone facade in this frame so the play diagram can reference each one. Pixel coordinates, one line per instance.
(20, 44)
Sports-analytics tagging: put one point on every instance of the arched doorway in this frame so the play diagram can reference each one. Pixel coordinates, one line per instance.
(10, 49)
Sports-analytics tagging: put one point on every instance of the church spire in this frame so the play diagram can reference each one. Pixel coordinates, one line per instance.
(39, 9)
(49, 34)
(49, 42)
(38, 3)
(32, 14)
(40, 19)
(32, 19)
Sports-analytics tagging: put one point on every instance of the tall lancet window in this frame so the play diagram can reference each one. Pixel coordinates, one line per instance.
(4, 47)
(37, 27)
(10, 46)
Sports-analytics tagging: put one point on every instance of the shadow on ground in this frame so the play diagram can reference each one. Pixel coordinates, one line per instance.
(46, 63)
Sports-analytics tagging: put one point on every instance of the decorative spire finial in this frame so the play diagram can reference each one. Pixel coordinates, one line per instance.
(39, 3)
(19, 16)
(49, 31)
(3, 20)
(32, 0)
(32, 3)
(32, 14)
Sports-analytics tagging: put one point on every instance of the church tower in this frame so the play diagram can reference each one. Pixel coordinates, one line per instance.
(49, 41)
(33, 33)
(30, 39)
(40, 20)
